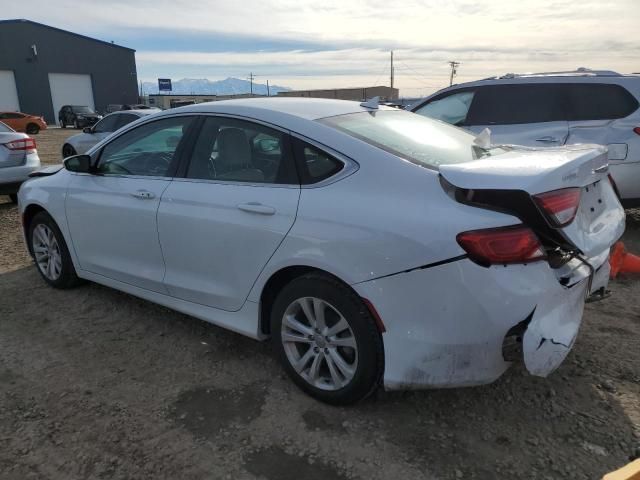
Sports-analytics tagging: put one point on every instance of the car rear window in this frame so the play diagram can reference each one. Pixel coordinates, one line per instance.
(598, 101)
(421, 140)
(4, 128)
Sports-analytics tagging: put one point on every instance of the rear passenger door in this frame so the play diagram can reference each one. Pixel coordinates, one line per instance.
(221, 222)
(592, 111)
(523, 114)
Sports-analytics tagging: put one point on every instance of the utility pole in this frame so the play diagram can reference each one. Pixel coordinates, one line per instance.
(454, 71)
(251, 77)
(268, 92)
(392, 72)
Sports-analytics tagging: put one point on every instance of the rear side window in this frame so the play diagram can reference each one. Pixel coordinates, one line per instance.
(314, 165)
(589, 101)
(513, 104)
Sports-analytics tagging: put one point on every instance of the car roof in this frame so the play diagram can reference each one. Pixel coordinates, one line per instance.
(269, 108)
(137, 112)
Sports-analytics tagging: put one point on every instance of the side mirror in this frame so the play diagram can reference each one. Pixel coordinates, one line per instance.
(87, 130)
(78, 164)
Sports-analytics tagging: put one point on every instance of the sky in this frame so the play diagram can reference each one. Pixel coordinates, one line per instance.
(346, 43)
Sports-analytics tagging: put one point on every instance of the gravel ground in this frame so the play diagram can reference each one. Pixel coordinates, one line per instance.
(98, 384)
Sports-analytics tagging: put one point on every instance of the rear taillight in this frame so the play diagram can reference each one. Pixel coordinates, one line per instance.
(637, 130)
(560, 206)
(505, 245)
(22, 144)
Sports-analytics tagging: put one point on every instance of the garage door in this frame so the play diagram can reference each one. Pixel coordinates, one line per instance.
(8, 93)
(70, 89)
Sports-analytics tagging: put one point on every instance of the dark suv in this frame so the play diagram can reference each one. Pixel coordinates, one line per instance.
(79, 116)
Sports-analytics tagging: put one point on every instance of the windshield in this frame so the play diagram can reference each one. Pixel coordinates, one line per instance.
(420, 140)
(77, 109)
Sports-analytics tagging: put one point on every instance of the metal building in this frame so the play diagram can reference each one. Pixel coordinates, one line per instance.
(359, 94)
(43, 68)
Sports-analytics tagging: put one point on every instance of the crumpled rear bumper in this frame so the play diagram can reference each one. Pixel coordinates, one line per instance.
(445, 325)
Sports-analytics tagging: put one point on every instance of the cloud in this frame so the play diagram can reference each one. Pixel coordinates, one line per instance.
(336, 43)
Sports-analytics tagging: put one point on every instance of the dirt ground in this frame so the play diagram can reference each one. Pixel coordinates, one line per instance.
(97, 384)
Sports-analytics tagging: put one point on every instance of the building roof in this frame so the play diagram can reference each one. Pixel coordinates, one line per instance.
(22, 20)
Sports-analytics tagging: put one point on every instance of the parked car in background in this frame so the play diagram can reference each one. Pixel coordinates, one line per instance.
(23, 122)
(78, 116)
(551, 109)
(117, 107)
(372, 245)
(18, 158)
(90, 136)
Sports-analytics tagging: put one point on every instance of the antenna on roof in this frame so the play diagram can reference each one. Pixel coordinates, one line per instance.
(371, 103)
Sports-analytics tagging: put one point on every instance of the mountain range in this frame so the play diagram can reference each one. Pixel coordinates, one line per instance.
(203, 86)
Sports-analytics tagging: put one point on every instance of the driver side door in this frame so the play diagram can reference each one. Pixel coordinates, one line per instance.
(111, 213)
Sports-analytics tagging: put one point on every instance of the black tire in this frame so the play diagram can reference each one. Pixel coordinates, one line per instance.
(68, 151)
(370, 353)
(67, 277)
(33, 129)
(14, 197)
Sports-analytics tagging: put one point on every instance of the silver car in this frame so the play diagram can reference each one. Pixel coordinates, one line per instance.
(18, 158)
(90, 136)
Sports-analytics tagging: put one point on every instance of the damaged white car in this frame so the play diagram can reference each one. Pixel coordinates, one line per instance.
(370, 244)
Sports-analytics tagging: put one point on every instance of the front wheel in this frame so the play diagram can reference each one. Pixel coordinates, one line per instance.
(33, 129)
(68, 151)
(327, 340)
(50, 252)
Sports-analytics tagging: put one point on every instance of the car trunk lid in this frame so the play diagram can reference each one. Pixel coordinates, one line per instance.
(599, 219)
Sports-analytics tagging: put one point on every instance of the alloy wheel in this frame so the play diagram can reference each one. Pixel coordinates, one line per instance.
(47, 252)
(319, 343)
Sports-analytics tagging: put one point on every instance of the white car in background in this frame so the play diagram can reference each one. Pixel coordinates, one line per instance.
(18, 158)
(551, 109)
(90, 136)
(371, 244)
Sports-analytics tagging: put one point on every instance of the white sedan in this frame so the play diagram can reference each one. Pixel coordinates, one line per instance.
(371, 245)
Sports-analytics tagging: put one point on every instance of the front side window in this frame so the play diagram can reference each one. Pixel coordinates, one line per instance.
(13, 115)
(452, 109)
(106, 125)
(418, 139)
(125, 119)
(147, 150)
(239, 151)
(511, 104)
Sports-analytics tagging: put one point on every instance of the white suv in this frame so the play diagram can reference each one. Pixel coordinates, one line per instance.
(550, 109)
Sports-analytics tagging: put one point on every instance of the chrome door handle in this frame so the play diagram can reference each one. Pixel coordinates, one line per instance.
(547, 139)
(143, 195)
(601, 169)
(255, 207)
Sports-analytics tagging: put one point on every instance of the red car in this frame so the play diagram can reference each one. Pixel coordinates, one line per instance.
(23, 122)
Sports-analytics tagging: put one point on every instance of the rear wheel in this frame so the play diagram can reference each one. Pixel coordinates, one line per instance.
(327, 340)
(50, 252)
(14, 197)
(32, 129)
(68, 151)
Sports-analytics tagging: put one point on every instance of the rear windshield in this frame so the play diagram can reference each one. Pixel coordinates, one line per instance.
(420, 140)
(4, 128)
(81, 109)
